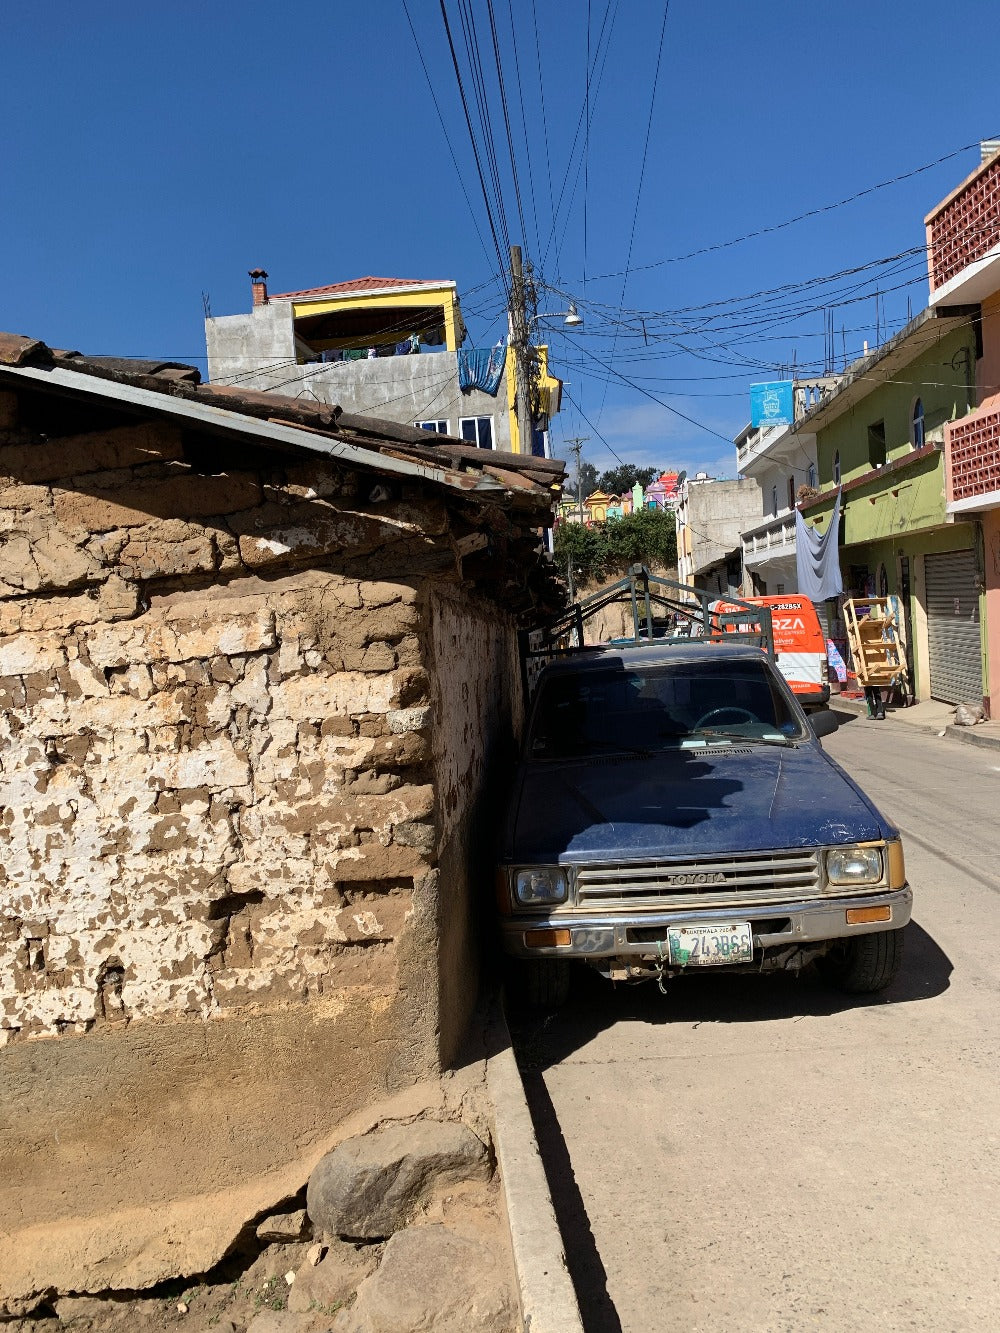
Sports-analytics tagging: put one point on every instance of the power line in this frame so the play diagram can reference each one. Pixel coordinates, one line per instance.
(524, 125)
(474, 57)
(576, 135)
(596, 431)
(638, 192)
(475, 149)
(653, 398)
(506, 118)
(800, 217)
(444, 130)
(545, 124)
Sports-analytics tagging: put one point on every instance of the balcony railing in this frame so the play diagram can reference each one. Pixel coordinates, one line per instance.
(808, 394)
(972, 451)
(773, 538)
(966, 227)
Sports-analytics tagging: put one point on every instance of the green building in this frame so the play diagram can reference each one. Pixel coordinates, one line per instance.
(879, 438)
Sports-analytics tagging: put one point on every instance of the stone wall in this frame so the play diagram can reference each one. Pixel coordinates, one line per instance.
(246, 723)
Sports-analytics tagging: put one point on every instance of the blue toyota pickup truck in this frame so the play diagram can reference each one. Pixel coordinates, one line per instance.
(674, 809)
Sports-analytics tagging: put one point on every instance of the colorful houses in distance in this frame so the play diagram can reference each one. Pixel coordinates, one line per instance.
(599, 506)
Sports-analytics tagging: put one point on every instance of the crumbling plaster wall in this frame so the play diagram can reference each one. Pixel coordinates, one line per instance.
(219, 881)
(476, 685)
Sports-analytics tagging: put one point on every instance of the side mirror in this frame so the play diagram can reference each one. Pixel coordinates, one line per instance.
(823, 723)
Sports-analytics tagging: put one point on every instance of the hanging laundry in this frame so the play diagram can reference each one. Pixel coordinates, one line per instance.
(817, 558)
(482, 367)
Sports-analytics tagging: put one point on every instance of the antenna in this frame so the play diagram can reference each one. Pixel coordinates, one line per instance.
(206, 304)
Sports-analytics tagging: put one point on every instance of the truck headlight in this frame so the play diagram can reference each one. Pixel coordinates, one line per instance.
(854, 865)
(539, 885)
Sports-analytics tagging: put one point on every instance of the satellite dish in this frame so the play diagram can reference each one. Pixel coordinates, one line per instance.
(681, 479)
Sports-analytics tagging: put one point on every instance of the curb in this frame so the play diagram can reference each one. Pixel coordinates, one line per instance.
(548, 1299)
(968, 735)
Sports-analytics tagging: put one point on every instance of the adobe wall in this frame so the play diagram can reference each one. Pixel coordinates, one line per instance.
(235, 802)
(476, 688)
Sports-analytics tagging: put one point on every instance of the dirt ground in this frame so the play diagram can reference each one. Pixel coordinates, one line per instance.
(248, 1283)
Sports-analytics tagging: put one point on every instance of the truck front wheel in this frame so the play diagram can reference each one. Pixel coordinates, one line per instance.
(538, 983)
(864, 964)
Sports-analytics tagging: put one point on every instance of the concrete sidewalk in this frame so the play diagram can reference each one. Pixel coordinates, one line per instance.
(930, 716)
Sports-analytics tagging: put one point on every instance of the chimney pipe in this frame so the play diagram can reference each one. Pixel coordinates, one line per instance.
(258, 286)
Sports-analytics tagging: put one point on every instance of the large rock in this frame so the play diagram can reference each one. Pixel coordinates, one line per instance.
(371, 1186)
(432, 1277)
(334, 1280)
(280, 1321)
(283, 1227)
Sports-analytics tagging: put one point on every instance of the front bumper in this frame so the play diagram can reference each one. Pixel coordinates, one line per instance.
(815, 698)
(632, 934)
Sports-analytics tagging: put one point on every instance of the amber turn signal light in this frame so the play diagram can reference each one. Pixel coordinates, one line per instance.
(897, 866)
(546, 939)
(857, 916)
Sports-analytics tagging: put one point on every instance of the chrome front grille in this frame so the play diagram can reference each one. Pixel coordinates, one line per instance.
(746, 877)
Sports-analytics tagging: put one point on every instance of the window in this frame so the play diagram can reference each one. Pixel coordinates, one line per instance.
(917, 424)
(876, 444)
(774, 501)
(791, 491)
(836, 468)
(437, 427)
(479, 430)
(657, 707)
(812, 476)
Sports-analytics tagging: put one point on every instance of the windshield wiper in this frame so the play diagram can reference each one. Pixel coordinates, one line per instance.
(585, 749)
(613, 747)
(772, 739)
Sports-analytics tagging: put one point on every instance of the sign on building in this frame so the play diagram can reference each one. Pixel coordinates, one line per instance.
(772, 404)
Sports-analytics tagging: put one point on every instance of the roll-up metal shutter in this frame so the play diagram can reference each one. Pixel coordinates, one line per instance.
(953, 628)
(823, 616)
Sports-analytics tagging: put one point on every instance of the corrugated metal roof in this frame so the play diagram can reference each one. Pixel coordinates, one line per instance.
(271, 418)
(357, 286)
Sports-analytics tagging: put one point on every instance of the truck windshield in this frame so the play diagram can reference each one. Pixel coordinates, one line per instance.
(639, 709)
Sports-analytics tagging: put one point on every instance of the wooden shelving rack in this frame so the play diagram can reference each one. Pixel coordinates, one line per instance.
(876, 636)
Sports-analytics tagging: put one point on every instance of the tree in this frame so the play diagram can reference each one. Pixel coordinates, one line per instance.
(617, 480)
(582, 547)
(648, 537)
(587, 475)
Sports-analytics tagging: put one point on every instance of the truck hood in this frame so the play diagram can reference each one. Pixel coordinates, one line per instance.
(684, 803)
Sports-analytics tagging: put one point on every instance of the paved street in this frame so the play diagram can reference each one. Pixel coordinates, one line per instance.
(763, 1153)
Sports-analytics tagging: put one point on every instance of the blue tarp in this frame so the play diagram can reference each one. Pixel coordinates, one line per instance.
(481, 367)
(817, 558)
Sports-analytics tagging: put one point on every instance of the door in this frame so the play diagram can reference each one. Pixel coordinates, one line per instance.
(954, 656)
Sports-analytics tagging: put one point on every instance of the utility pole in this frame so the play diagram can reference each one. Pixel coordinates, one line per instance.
(575, 446)
(519, 345)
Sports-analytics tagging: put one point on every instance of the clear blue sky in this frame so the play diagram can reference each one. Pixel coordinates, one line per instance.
(158, 152)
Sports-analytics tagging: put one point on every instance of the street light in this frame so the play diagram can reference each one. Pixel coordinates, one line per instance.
(571, 317)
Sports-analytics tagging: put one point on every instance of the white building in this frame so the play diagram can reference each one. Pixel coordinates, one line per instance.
(711, 516)
(780, 459)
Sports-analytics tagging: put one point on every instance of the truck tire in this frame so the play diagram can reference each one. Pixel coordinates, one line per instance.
(864, 964)
(538, 983)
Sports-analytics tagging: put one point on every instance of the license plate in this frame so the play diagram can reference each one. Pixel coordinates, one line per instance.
(709, 946)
